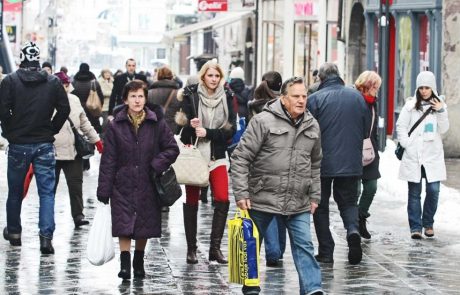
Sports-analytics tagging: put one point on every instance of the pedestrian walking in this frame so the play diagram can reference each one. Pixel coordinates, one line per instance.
(341, 114)
(207, 114)
(119, 83)
(242, 92)
(124, 174)
(33, 108)
(106, 82)
(46, 66)
(84, 81)
(424, 153)
(275, 235)
(270, 180)
(67, 159)
(163, 92)
(368, 83)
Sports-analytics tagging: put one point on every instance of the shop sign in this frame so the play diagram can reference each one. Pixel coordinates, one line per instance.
(11, 31)
(305, 8)
(248, 3)
(212, 5)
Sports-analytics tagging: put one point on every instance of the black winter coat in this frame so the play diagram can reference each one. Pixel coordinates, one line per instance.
(159, 93)
(124, 173)
(243, 95)
(220, 138)
(371, 171)
(28, 100)
(342, 115)
(82, 84)
(118, 84)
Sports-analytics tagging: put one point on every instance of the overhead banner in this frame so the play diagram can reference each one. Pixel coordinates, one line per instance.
(212, 5)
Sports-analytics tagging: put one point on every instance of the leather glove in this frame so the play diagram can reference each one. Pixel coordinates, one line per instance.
(104, 200)
(99, 146)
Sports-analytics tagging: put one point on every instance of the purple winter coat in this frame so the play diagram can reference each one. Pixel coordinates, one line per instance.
(124, 171)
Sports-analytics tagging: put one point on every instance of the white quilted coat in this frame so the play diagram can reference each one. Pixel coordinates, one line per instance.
(422, 148)
(65, 140)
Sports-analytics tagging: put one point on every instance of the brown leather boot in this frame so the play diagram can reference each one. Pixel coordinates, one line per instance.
(190, 225)
(219, 221)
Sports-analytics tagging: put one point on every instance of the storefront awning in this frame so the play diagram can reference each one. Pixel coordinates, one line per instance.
(216, 22)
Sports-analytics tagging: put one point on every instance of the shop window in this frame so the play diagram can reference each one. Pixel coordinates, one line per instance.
(424, 43)
(305, 49)
(161, 53)
(405, 60)
(332, 42)
(273, 49)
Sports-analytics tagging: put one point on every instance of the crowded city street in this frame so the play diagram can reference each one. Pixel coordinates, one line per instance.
(392, 263)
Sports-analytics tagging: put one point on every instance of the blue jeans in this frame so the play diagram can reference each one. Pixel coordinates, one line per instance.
(41, 155)
(298, 227)
(345, 192)
(417, 219)
(275, 240)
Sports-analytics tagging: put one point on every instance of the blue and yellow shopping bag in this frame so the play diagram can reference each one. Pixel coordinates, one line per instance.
(243, 250)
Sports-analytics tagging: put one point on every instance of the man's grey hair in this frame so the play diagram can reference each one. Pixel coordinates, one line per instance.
(328, 70)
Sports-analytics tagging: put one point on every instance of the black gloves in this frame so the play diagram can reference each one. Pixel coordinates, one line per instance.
(104, 200)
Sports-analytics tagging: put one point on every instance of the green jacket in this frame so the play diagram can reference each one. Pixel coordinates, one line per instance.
(276, 164)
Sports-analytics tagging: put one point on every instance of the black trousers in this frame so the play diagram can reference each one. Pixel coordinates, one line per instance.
(73, 172)
(345, 193)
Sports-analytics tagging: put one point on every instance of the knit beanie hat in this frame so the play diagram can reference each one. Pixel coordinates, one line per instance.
(237, 73)
(29, 55)
(47, 65)
(427, 79)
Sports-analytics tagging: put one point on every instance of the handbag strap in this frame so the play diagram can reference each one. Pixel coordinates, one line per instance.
(168, 101)
(419, 120)
(372, 124)
(71, 124)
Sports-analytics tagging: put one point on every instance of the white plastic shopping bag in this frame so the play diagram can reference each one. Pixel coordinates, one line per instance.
(100, 248)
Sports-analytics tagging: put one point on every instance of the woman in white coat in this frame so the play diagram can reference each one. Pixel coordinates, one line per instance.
(66, 155)
(424, 154)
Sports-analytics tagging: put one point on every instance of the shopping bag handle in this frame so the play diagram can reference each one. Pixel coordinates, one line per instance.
(241, 213)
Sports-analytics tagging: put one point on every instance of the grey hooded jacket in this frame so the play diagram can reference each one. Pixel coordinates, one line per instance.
(276, 164)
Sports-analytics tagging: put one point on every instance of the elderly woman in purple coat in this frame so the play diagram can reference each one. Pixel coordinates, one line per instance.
(126, 164)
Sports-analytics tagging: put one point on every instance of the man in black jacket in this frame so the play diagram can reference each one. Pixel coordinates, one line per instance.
(341, 114)
(119, 83)
(33, 108)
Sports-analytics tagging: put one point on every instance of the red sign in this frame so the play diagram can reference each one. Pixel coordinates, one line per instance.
(212, 5)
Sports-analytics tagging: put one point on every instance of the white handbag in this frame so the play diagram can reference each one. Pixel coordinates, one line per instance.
(368, 148)
(190, 166)
(100, 248)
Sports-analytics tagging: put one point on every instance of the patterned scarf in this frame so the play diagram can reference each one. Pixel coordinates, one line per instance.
(137, 120)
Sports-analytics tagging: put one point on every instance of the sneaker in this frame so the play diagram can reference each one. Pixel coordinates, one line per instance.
(363, 228)
(416, 235)
(429, 232)
(355, 253)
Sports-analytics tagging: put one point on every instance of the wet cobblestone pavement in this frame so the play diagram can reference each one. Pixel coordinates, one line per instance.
(392, 262)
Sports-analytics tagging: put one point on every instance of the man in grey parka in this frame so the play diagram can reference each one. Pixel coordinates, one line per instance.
(276, 172)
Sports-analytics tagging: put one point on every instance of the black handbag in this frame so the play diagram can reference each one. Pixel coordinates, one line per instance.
(166, 185)
(84, 148)
(399, 151)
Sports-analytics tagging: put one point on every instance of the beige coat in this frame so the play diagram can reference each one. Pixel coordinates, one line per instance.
(65, 140)
(106, 87)
(276, 165)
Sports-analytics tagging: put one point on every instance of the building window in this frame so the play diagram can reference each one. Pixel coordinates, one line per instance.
(161, 53)
(272, 36)
(424, 43)
(305, 49)
(405, 60)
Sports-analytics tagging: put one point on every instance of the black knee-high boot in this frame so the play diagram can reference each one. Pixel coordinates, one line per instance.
(218, 226)
(138, 264)
(125, 265)
(190, 225)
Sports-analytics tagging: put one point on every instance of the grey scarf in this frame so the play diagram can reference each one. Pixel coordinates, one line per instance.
(212, 109)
